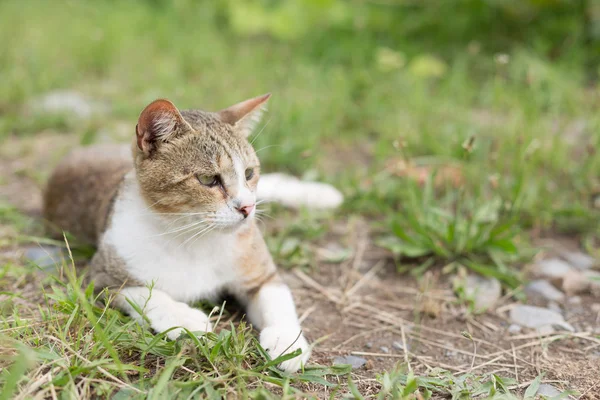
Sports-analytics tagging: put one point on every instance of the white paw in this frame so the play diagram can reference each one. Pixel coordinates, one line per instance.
(180, 315)
(278, 340)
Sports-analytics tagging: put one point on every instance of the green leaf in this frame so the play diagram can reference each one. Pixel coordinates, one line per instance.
(505, 245)
(400, 248)
(16, 371)
(563, 395)
(507, 277)
(411, 385)
(354, 390)
(533, 388)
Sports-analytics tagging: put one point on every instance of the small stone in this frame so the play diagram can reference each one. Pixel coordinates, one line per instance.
(548, 390)
(379, 358)
(484, 292)
(553, 268)
(581, 282)
(355, 362)
(554, 306)
(575, 283)
(65, 102)
(542, 319)
(399, 346)
(594, 278)
(579, 260)
(45, 257)
(368, 345)
(513, 329)
(595, 307)
(384, 349)
(545, 330)
(574, 300)
(545, 289)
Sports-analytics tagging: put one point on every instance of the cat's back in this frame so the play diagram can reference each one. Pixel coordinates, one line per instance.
(80, 191)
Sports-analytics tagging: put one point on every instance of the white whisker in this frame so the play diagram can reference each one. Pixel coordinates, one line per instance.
(261, 130)
(187, 227)
(212, 227)
(201, 231)
(266, 147)
(262, 213)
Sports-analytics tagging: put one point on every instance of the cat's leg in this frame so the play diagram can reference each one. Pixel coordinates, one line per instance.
(271, 309)
(161, 311)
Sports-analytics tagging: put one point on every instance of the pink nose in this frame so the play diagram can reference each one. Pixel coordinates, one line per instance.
(246, 210)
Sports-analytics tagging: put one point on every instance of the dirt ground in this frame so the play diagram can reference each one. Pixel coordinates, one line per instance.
(363, 307)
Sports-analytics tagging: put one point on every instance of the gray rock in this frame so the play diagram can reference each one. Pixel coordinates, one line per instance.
(545, 289)
(400, 346)
(548, 390)
(546, 330)
(542, 319)
(483, 291)
(44, 256)
(384, 349)
(579, 260)
(553, 268)
(574, 300)
(368, 345)
(355, 362)
(554, 306)
(513, 329)
(65, 102)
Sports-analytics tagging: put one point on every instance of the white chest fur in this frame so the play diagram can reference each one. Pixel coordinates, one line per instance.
(186, 271)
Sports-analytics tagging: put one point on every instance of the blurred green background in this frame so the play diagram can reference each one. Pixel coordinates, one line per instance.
(369, 95)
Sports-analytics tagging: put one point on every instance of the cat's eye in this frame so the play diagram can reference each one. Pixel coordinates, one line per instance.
(249, 173)
(208, 180)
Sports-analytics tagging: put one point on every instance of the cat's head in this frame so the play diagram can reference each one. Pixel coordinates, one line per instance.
(195, 165)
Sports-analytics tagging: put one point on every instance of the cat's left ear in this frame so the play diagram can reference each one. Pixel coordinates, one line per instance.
(246, 115)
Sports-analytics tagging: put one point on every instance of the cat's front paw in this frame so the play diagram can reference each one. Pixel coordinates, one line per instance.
(178, 315)
(282, 340)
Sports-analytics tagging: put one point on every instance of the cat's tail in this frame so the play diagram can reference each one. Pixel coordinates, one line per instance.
(292, 192)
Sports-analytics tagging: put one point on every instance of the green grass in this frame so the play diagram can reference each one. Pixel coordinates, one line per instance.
(72, 345)
(82, 350)
(349, 99)
(478, 232)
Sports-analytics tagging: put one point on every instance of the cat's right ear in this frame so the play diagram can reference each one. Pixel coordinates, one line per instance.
(158, 123)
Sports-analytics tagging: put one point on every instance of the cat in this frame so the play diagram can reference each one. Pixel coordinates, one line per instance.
(177, 224)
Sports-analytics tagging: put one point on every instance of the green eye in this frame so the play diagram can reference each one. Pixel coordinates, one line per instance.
(209, 180)
(249, 173)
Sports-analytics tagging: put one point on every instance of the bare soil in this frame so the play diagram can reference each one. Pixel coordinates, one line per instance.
(363, 307)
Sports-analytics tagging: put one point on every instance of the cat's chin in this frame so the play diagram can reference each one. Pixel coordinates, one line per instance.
(238, 226)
